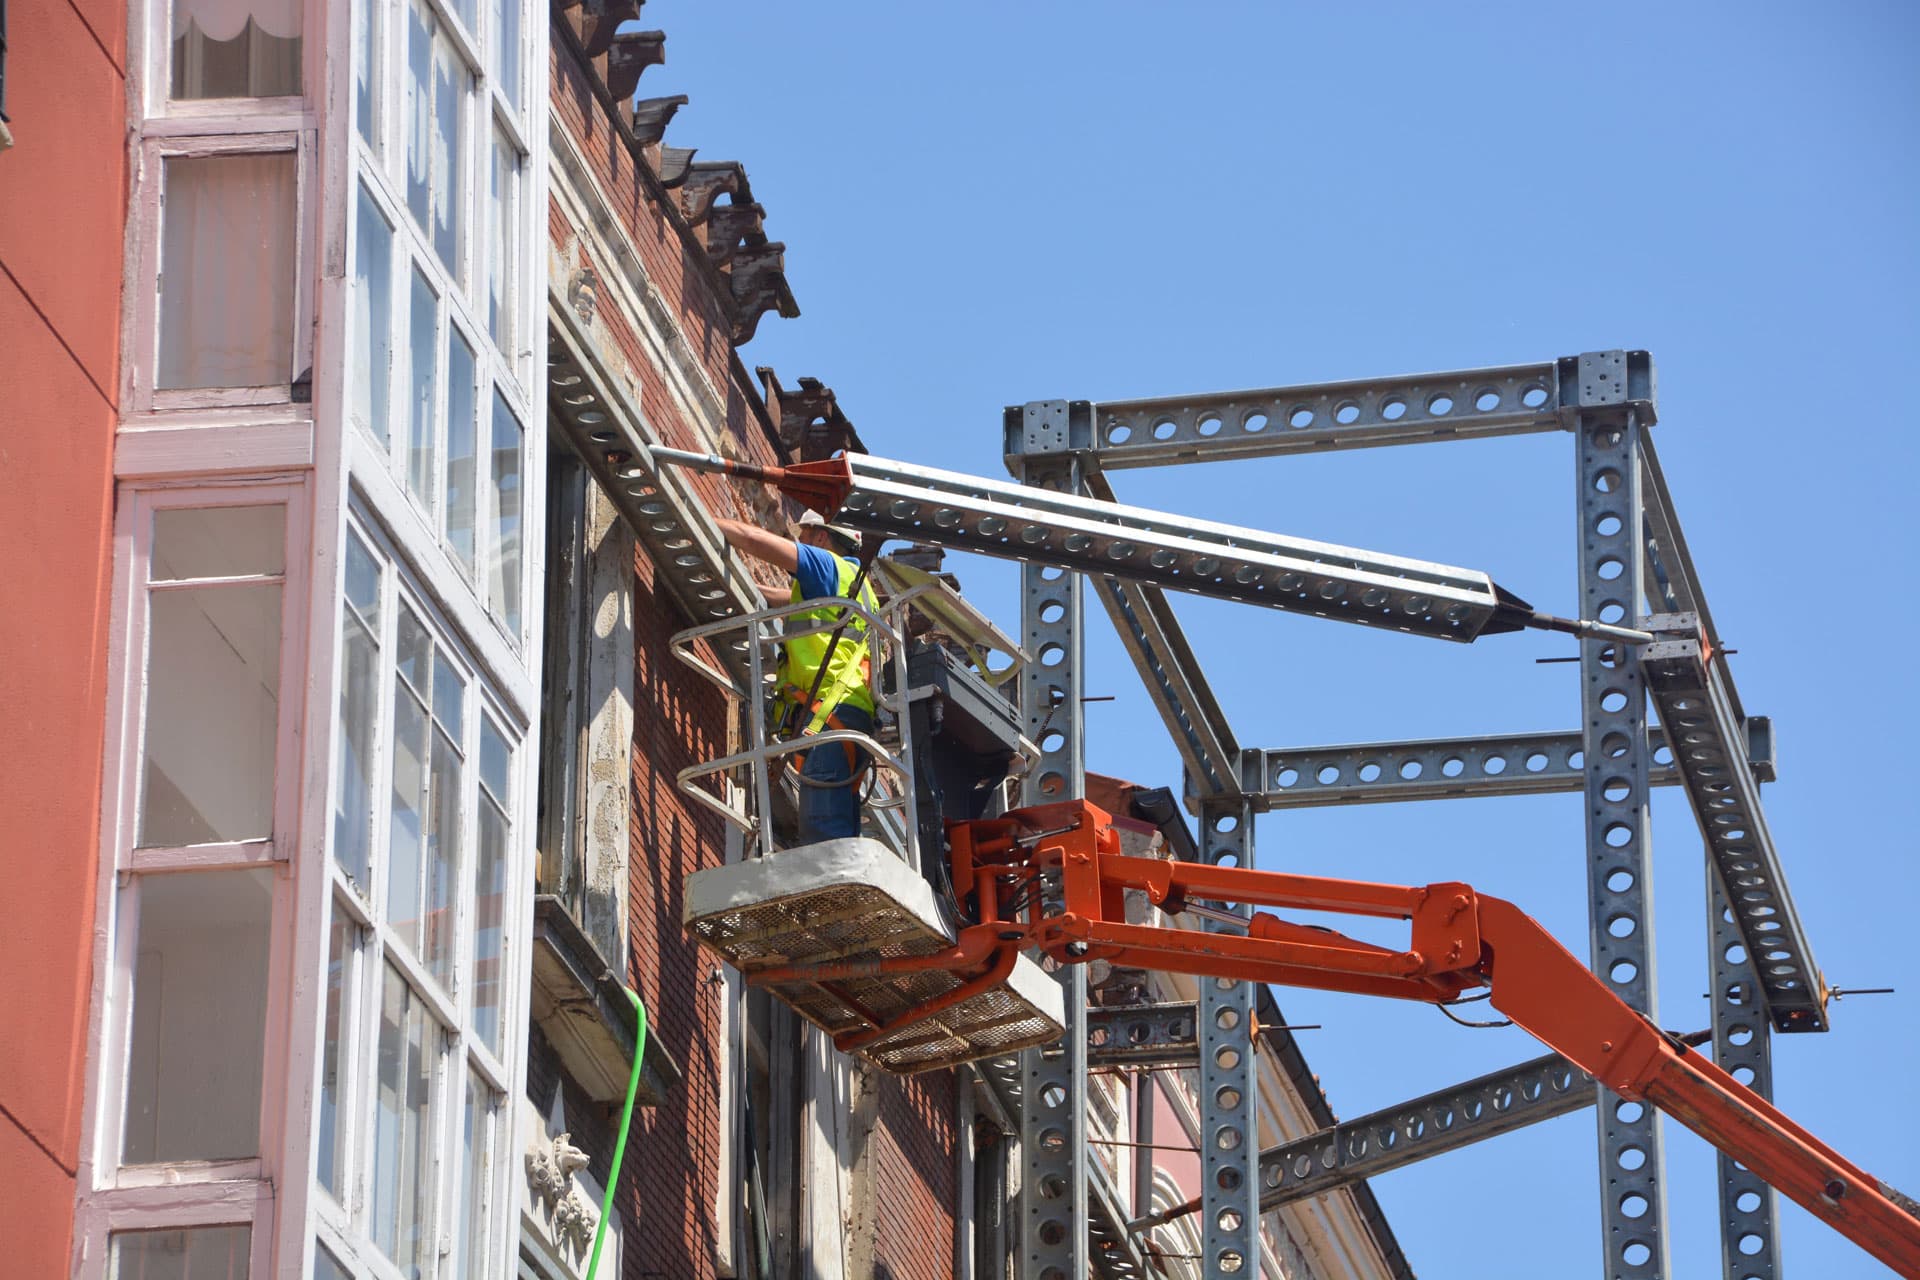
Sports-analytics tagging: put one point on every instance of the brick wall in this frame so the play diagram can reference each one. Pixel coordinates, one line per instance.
(670, 1186)
(913, 1168)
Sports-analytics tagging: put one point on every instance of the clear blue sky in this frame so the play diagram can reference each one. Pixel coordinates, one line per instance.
(991, 203)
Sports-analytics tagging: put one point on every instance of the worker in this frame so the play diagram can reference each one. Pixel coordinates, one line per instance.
(808, 702)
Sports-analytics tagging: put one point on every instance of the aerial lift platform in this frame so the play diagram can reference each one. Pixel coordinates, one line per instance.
(860, 944)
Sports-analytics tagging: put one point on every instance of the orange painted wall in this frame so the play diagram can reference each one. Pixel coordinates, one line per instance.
(63, 199)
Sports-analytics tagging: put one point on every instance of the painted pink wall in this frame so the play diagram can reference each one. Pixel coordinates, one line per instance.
(63, 204)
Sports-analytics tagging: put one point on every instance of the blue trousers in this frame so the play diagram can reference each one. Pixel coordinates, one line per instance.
(832, 812)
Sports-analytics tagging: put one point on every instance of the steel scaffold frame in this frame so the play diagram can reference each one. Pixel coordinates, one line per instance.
(1633, 564)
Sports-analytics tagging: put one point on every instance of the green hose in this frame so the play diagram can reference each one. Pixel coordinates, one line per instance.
(620, 1143)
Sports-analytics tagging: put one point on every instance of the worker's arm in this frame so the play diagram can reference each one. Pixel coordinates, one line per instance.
(751, 539)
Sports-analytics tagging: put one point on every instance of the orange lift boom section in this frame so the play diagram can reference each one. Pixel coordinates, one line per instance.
(1050, 878)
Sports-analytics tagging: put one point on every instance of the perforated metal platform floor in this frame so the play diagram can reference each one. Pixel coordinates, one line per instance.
(853, 899)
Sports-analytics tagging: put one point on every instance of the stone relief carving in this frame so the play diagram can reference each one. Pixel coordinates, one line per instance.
(551, 1165)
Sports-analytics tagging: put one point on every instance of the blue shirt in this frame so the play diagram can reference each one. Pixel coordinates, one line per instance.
(817, 571)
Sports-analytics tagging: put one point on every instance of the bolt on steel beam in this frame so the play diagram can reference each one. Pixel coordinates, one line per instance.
(1014, 522)
(1710, 751)
(1147, 1035)
(1749, 1247)
(1430, 769)
(1229, 1084)
(1054, 1192)
(1617, 763)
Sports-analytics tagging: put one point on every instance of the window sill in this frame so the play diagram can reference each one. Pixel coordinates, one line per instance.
(6, 136)
(578, 1004)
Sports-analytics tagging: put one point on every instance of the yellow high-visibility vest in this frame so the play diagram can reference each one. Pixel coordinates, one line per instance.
(847, 673)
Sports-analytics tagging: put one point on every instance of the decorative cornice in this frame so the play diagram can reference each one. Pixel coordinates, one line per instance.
(811, 423)
(747, 272)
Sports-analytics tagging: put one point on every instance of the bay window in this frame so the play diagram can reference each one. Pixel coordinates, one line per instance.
(420, 1028)
(198, 824)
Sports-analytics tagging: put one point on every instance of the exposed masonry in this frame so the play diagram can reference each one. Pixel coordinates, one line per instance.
(749, 270)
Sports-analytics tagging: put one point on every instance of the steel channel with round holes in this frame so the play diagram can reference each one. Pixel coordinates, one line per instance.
(1224, 425)
(1430, 1125)
(1229, 1086)
(1431, 769)
(1148, 1035)
(1348, 584)
(1742, 1047)
(1613, 701)
(1709, 746)
(1053, 1115)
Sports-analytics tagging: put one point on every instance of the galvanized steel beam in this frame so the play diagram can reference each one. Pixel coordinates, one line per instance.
(1749, 1247)
(1367, 412)
(1147, 1035)
(1506, 764)
(1229, 1084)
(1617, 764)
(1226, 562)
(1053, 1114)
(1710, 752)
(1420, 1128)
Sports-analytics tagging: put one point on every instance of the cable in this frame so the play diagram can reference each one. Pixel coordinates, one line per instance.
(1469, 1022)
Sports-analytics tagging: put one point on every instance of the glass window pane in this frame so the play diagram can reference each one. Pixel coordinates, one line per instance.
(218, 542)
(461, 408)
(495, 757)
(332, 1084)
(449, 695)
(413, 653)
(503, 517)
(227, 271)
(326, 1266)
(503, 219)
(424, 313)
(464, 8)
(402, 1192)
(406, 836)
(213, 677)
(236, 48)
(476, 1124)
(363, 579)
(450, 87)
(443, 858)
(420, 28)
(196, 1253)
(372, 316)
(506, 48)
(359, 711)
(365, 58)
(490, 889)
(199, 1016)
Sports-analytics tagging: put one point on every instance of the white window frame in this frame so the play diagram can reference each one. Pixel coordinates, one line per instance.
(342, 1223)
(142, 305)
(461, 305)
(150, 64)
(179, 1194)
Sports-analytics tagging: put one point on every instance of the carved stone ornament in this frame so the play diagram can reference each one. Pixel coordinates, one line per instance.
(551, 1165)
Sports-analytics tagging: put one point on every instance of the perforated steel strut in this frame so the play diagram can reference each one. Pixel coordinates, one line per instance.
(1181, 553)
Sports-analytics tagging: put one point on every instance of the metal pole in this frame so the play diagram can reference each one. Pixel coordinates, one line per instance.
(1749, 1249)
(1053, 1111)
(1615, 760)
(1229, 1119)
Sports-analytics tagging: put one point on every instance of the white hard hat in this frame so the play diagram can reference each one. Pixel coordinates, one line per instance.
(813, 519)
